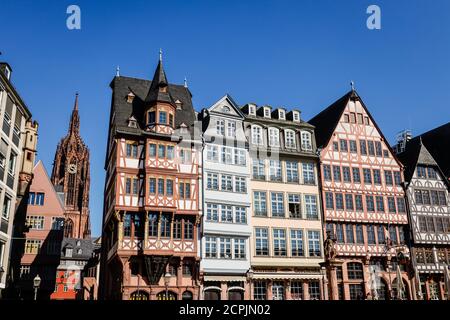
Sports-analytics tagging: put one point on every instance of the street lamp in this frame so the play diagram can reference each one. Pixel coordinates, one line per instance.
(36, 285)
(166, 283)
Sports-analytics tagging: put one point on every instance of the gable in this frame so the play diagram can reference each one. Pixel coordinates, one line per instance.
(227, 107)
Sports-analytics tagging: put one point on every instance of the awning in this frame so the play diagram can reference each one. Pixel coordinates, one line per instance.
(224, 278)
(275, 276)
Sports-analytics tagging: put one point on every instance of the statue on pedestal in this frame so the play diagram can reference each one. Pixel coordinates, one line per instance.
(329, 247)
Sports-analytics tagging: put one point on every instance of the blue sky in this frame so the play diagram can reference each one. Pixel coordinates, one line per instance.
(299, 54)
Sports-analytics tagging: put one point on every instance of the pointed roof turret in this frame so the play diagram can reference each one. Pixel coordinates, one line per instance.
(159, 89)
(74, 127)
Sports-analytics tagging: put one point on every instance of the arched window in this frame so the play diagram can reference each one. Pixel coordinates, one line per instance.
(274, 137)
(68, 229)
(170, 295)
(187, 295)
(72, 171)
(211, 294)
(257, 135)
(139, 295)
(236, 294)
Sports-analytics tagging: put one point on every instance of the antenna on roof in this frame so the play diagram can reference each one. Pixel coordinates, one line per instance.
(118, 71)
(352, 84)
(160, 55)
(185, 82)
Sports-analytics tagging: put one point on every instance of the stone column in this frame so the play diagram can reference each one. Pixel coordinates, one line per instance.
(269, 290)
(180, 273)
(288, 290)
(305, 290)
(223, 292)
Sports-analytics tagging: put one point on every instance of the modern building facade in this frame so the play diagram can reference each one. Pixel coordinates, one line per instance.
(226, 230)
(429, 211)
(364, 205)
(286, 243)
(152, 192)
(38, 250)
(15, 120)
(71, 176)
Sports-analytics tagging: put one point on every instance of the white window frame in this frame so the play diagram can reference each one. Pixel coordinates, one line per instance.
(257, 135)
(274, 137)
(289, 139)
(231, 129)
(306, 138)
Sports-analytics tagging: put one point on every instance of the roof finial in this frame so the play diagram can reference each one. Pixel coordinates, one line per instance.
(352, 84)
(185, 82)
(118, 71)
(160, 55)
(76, 101)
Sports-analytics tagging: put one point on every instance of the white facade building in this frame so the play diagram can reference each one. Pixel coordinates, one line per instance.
(225, 254)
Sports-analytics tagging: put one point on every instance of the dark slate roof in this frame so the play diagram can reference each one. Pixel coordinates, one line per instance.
(327, 120)
(415, 153)
(437, 142)
(87, 247)
(159, 81)
(123, 110)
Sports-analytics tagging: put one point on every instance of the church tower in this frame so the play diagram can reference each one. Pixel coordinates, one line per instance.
(71, 176)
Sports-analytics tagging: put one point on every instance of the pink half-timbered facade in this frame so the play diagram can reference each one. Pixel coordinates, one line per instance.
(151, 212)
(363, 204)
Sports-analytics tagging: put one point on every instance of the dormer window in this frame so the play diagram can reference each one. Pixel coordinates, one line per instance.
(290, 139)
(78, 243)
(178, 104)
(266, 112)
(79, 251)
(252, 110)
(69, 252)
(296, 116)
(130, 97)
(281, 115)
(132, 123)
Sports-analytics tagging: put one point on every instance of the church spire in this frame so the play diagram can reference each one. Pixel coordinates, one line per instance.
(74, 127)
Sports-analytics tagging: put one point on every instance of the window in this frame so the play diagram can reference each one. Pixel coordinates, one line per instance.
(426, 197)
(57, 223)
(296, 116)
(397, 178)
(290, 139)
(239, 157)
(346, 174)
(169, 187)
(376, 176)
(260, 290)
(353, 147)
(393, 234)
(356, 291)
(132, 150)
(188, 229)
(227, 182)
(311, 207)
(314, 290)
(296, 290)
(36, 199)
(152, 225)
(277, 290)
(359, 202)
(279, 242)
(329, 201)
(367, 175)
(355, 271)
(212, 212)
(343, 145)
(12, 163)
(340, 233)
(363, 147)
(212, 153)
(391, 205)
(277, 204)
(227, 155)
(212, 181)
(308, 173)
(418, 196)
(281, 114)
(356, 175)
(431, 173)
(240, 215)
(32, 246)
(275, 170)
(210, 247)
(292, 171)
(337, 173)
(6, 207)
(359, 234)
(257, 135)
(306, 141)
(434, 197)
(388, 177)
(371, 148)
(370, 203)
(35, 222)
(266, 112)
(259, 203)
(261, 242)
(170, 152)
(335, 146)
(380, 203)
(401, 205)
(349, 202)
(170, 119)
(297, 243)
(326, 172)
(151, 117)
(185, 156)
(165, 226)
(225, 248)
(161, 187)
(274, 137)
(162, 117)
(240, 184)
(349, 233)
(442, 198)
(421, 172)
(378, 149)
(239, 249)
(161, 151)
(127, 225)
(314, 243)
(152, 150)
(370, 234)
(226, 213)
(339, 201)
(259, 169)
(231, 129)
(294, 206)
(380, 235)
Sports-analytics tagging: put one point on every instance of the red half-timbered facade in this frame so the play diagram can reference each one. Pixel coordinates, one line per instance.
(151, 210)
(363, 204)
